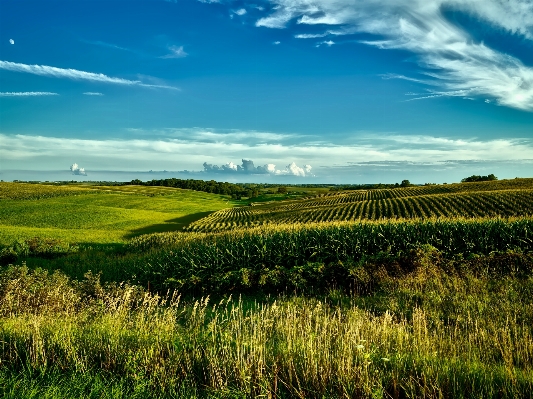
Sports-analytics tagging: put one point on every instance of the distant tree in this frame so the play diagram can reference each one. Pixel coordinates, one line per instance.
(282, 190)
(475, 178)
(405, 183)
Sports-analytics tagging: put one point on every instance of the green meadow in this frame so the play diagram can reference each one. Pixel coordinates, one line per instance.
(157, 292)
(96, 214)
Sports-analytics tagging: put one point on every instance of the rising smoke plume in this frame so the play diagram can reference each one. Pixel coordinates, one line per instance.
(76, 170)
(248, 167)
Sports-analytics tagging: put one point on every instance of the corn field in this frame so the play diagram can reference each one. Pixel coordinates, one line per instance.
(310, 255)
(374, 205)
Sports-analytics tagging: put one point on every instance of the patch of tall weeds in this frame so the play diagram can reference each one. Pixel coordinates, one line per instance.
(431, 333)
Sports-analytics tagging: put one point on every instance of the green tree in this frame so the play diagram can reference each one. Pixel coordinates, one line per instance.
(475, 178)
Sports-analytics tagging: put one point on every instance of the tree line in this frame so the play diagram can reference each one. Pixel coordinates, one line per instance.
(475, 178)
(214, 187)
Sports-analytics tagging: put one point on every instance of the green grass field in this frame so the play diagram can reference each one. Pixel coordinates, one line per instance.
(412, 292)
(96, 214)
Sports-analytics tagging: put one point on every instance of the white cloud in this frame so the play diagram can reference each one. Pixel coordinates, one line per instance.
(240, 11)
(92, 93)
(516, 16)
(396, 76)
(291, 169)
(176, 52)
(295, 170)
(276, 42)
(446, 51)
(28, 94)
(248, 168)
(76, 170)
(49, 71)
(329, 43)
(310, 35)
(11, 41)
(231, 166)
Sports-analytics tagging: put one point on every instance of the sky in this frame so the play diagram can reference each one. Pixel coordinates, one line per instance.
(309, 91)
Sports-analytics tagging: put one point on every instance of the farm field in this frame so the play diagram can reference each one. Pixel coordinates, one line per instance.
(339, 295)
(508, 198)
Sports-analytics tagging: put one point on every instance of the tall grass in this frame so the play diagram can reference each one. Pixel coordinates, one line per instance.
(432, 334)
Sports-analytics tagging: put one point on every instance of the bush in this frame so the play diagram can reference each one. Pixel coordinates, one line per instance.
(42, 247)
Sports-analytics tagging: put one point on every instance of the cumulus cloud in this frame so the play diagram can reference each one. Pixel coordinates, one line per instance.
(74, 74)
(276, 42)
(28, 94)
(11, 41)
(76, 170)
(176, 52)
(240, 11)
(248, 167)
(445, 50)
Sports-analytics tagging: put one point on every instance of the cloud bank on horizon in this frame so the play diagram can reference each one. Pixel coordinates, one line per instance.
(454, 62)
(248, 167)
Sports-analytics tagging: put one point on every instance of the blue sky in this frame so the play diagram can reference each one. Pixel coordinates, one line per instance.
(312, 91)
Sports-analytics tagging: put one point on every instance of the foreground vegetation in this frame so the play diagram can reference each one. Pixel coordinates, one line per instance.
(426, 333)
(390, 308)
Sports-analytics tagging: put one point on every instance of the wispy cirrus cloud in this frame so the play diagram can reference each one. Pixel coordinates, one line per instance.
(108, 45)
(74, 74)
(176, 52)
(92, 93)
(28, 94)
(445, 50)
